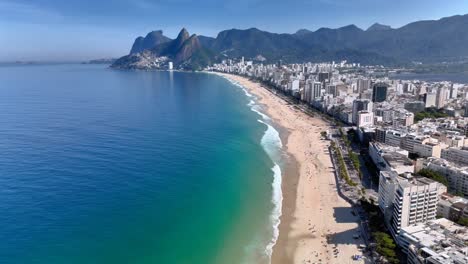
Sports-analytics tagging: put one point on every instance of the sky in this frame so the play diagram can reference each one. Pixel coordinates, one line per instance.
(71, 30)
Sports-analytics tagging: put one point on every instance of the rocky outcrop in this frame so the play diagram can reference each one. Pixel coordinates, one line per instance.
(188, 49)
(185, 52)
(152, 39)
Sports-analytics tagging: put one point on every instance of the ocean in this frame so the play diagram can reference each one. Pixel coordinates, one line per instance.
(107, 166)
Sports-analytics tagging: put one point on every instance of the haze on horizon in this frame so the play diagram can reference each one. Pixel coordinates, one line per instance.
(54, 30)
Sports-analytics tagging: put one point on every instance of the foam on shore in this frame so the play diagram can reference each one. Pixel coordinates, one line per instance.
(271, 142)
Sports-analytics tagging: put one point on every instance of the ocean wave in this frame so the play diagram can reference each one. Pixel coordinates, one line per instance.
(256, 109)
(271, 143)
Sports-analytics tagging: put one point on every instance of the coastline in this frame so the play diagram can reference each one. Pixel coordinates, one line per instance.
(315, 221)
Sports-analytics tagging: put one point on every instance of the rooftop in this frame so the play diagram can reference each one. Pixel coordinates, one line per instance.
(442, 239)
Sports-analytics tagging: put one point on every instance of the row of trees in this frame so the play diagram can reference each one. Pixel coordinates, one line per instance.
(353, 156)
(385, 245)
(342, 166)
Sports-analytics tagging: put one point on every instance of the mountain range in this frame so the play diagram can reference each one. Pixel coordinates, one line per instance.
(429, 41)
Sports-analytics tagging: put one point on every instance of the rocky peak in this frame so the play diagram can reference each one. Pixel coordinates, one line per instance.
(378, 27)
(152, 39)
(183, 35)
(179, 41)
(188, 48)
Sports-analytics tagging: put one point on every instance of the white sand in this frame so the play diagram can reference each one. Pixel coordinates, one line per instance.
(312, 208)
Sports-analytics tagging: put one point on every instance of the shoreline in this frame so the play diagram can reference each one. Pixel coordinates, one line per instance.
(315, 222)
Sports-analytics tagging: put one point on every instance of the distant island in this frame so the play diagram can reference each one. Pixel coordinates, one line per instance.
(101, 61)
(428, 42)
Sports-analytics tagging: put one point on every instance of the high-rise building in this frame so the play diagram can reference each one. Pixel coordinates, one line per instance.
(331, 89)
(324, 76)
(456, 175)
(365, 118)
(308, 92)
(316, 90)
(414, 200)
(363, 85)
(441, 98)
(379, 92)
(361, 105)
(430, 99)
(295, 85)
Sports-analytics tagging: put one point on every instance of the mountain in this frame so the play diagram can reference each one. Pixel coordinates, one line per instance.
(302, 32)
(378, 27)
(333, 39)
(206, 41)
(151, 40)
(440, 40)
(302, 47)
(253, 42)
(429, 41)
(186, 52)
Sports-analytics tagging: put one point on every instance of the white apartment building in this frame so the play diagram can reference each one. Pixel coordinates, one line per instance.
(365, 118)
(428, 148)
(456, 155)
(415, 202)
(316, 90)
(389, 158)
(441, 98)
(457, 176)
(455, 141)
(410, 140)
(388, 181)
(430, 100)
(361, 105)
(394, 137)
(294, 86)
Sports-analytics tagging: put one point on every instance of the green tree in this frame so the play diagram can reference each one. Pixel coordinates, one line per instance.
(386, 246)
(463, 221)
(434, 176)
(429, 113)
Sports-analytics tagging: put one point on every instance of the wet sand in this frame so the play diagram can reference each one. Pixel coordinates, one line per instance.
(316, 223)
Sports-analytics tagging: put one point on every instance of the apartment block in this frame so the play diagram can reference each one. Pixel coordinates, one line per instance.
(414, 200)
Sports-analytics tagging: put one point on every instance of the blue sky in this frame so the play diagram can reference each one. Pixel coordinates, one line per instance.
(86, 29)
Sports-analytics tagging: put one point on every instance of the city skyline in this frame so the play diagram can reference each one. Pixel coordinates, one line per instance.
(80, 30)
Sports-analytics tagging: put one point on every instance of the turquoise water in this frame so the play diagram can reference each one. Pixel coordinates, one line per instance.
(106, 166)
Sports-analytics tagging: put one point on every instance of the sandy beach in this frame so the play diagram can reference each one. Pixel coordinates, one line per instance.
(317, 225)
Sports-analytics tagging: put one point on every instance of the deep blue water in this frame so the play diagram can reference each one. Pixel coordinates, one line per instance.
(106, 166)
